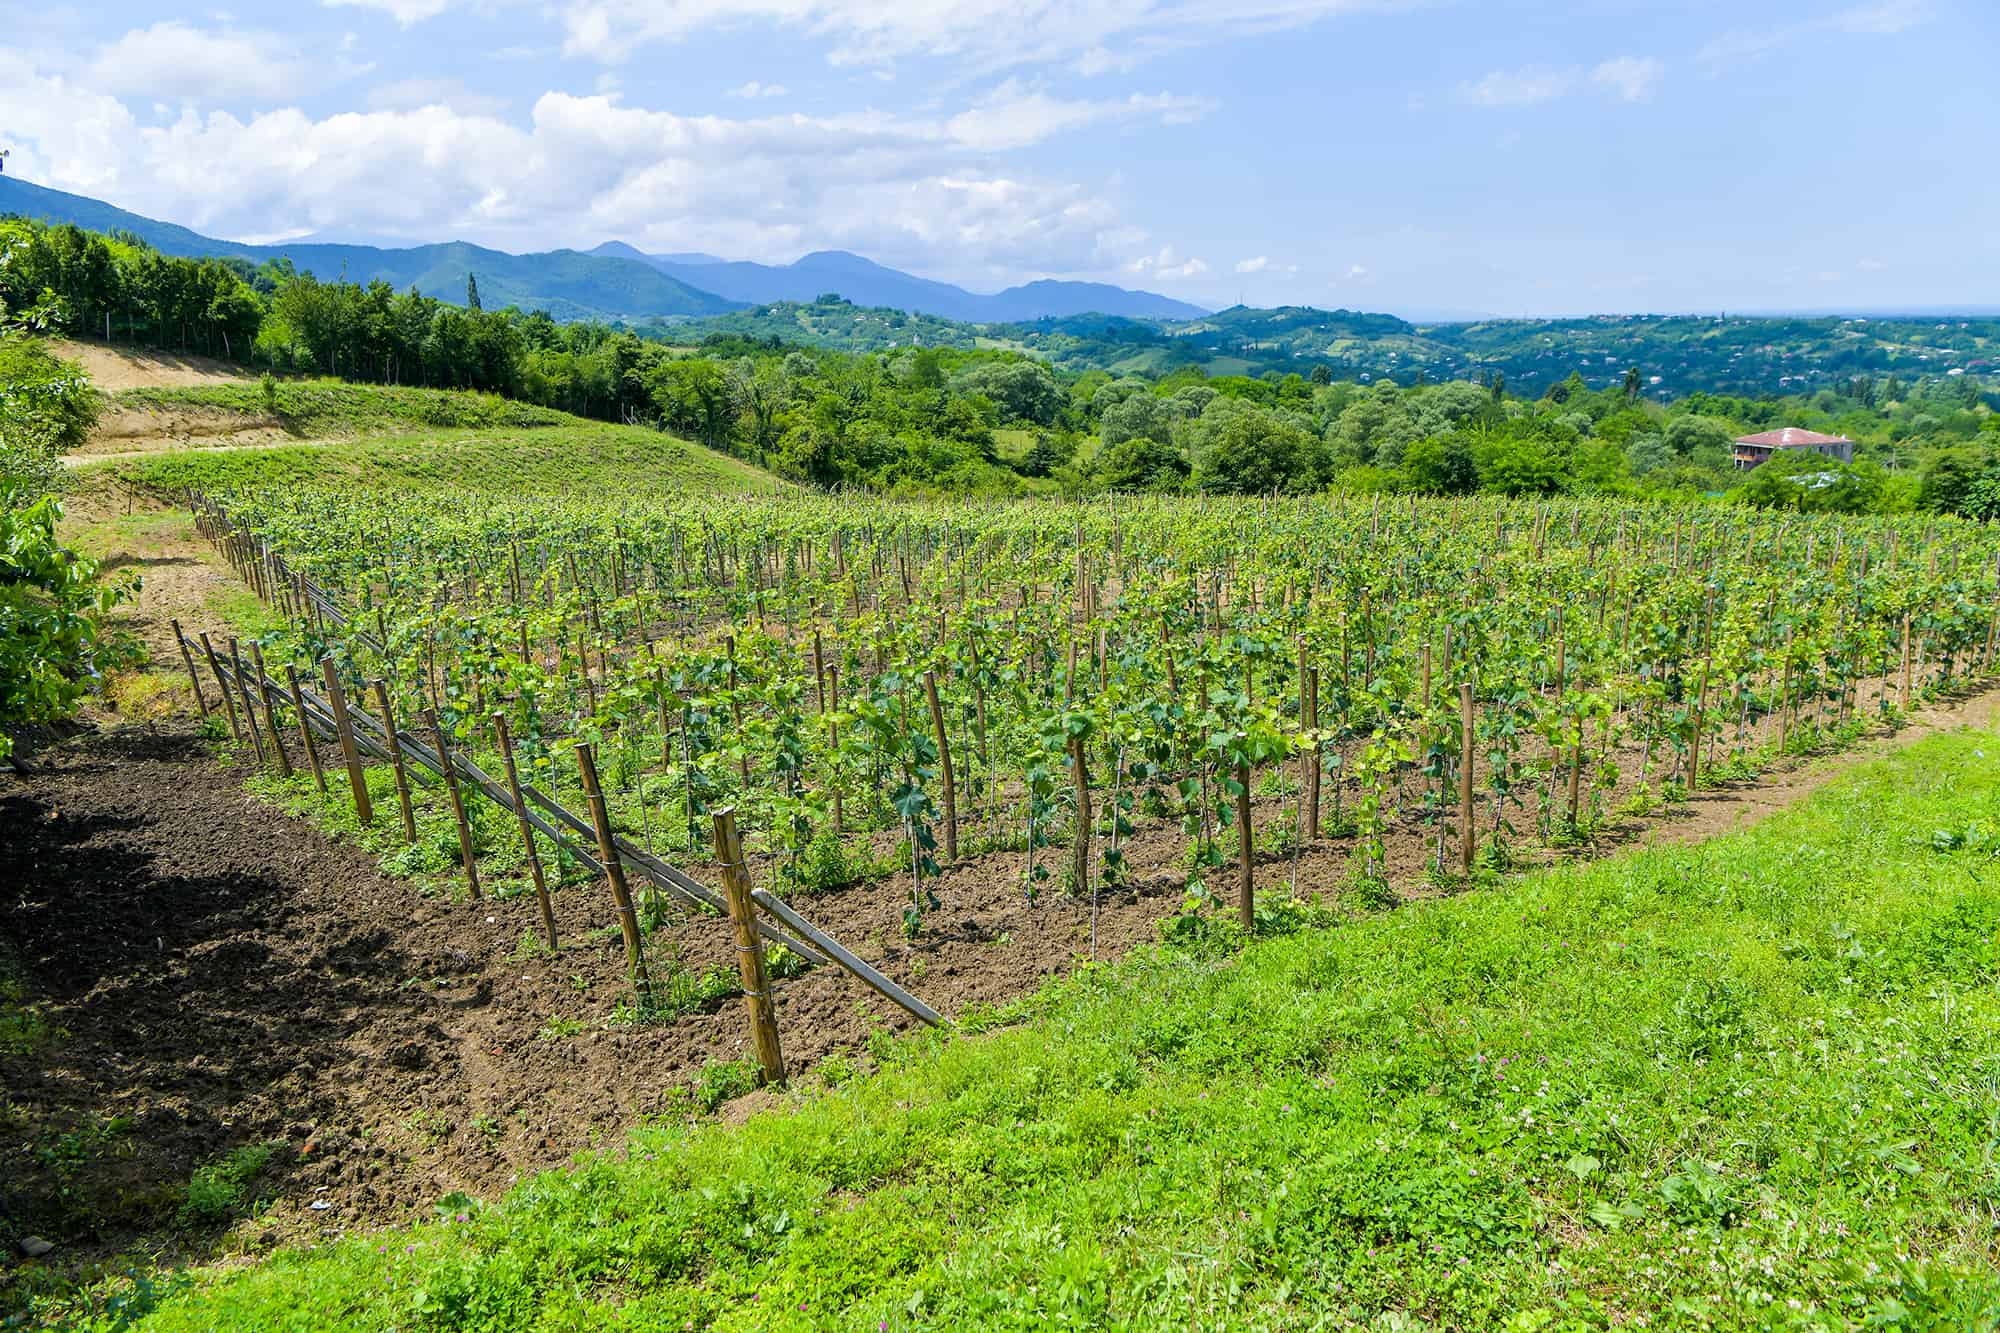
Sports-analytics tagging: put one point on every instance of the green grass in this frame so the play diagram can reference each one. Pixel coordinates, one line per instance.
(322, 407)
(1752, 1083)
(216, 1191)
(579, 458)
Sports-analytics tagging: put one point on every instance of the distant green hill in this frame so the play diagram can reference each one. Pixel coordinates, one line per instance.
(567, 284)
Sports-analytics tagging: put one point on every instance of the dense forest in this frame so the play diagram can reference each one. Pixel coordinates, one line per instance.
(905, 414)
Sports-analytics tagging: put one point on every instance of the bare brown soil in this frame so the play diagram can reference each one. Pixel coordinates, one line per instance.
(114, 368)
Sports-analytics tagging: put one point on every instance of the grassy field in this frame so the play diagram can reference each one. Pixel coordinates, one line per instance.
(1751, 1083)
(321, 407)
(576, 457)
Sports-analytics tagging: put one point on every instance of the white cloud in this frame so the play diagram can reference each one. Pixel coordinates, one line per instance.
(1871, 265)
(753, 90)
(174, 60)
(1355, 273)
(424, 165)
(1882, 18)
(405, 12)
(1631, 78)
(1520, 87)
(1264, 264)
(1014, 116)
(1166, 263)
(1096, 36)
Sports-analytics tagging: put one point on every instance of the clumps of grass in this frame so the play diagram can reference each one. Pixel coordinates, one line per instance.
(24, 1028)
(558, 1027)
(218, 1191)
(719, 1081)
(829, 862)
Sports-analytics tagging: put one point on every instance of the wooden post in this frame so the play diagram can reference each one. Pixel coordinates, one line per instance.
(305, 728)
(201, 701)
(1080, 775)
(944, 757)
(749, 949)
(396, 760)
(1465, 753)
(1246, 854)
(270, 712)
(527, 830)
(614, 871)
(457, 801)
(1312, 754)
(833, 746)
(222, 687)
(249, 708)
(363, 811)
(1906, 661)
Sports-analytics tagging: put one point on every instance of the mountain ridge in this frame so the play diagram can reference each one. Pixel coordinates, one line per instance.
(868, 283)
(613, 281)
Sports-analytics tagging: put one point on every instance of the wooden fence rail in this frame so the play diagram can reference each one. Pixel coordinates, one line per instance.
(778, 924)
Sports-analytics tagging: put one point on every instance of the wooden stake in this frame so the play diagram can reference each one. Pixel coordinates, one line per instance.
(527, 830)
(1312, 754)
(222, 687)
(270, 712)
(249, 709)
(1080, 775)
(305, 728)
(342, 728)
(201, 702)
(457, 801)
(614, 871)
(396, 760)
(1246, 854)
(749, 949)
(1465, 719)
(944, 757)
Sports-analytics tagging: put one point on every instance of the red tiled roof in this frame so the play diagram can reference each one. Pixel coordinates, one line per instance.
(1791, 437)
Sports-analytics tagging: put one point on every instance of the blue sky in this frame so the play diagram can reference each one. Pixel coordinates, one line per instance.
(1417, 156)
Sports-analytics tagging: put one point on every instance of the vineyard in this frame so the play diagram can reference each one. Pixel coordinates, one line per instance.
(1371, 698)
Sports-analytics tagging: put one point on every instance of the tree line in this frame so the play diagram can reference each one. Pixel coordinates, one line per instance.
(931, 418)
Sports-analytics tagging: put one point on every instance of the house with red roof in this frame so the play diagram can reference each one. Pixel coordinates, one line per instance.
(1754, 449)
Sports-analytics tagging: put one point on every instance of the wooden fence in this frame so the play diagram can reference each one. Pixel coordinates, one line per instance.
(333, 718)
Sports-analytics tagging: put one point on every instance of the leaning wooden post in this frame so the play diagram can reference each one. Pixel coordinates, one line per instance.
(305, 728)
(194, 677)
(270, 711)
(450, 767)
(396, 760)
(342, 728)
(944, 756)
(749, 949)
(249, 709)
(527, 829)
(614, 870)
(1465, 844)
(222, 687)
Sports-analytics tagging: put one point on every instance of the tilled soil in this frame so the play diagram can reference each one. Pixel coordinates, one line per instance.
(220, 975)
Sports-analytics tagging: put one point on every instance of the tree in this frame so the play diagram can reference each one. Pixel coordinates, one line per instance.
(52, 607)
(1441, 465)
(1022, 390)
(1239, 447)
(1946, 484)
(1633, 383)
(1515, 464)
(472, 292)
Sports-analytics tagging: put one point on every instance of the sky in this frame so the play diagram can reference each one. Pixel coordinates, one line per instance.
(1424, 157)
